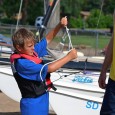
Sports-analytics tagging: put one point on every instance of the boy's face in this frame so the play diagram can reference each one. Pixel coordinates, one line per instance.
(28, 47)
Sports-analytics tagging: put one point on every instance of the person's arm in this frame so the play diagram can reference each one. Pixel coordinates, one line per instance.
(106, 64)
(108, 56)
(53, 32)
(59, 63)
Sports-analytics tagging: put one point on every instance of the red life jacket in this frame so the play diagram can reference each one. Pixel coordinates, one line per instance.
(38, 87)
(33, 58)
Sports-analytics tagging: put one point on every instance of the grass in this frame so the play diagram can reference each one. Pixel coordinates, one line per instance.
(86, 40)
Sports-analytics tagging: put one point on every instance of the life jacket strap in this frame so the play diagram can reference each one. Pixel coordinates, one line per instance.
(49, 84)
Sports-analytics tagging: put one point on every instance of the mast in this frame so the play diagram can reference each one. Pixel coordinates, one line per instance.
(49, 10)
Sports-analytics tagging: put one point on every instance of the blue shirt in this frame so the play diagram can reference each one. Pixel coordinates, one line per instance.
(29, 70)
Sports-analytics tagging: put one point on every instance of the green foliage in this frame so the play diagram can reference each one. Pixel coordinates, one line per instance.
(94, 21)
(30, 10)
(90, 4)
(11, 7)
(76, 22)
(109, 20)
(73, 22)
(34, 8)
(109, 6)
(79, 22)
(8, 21)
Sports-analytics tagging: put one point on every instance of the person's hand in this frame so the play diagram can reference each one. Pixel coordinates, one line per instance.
(102, 80)
(72, 54)
(64, 21)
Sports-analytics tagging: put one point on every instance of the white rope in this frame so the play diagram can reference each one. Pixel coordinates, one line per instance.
(19, 13)
(45, 65)
(67, 31)
(97, 26)
(70, 43)
(100, 13)
(65, 35)
(43, 68)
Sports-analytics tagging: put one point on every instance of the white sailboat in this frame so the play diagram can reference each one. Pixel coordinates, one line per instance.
(78, 83)
(76, 96)
(4, 49)
(70, 83)
(8, 84)
(69, 103)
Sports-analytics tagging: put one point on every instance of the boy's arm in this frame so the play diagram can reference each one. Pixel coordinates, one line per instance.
(53, 32)
(59, 63)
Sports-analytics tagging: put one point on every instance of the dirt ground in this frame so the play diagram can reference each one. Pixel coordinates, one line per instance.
(9, 106)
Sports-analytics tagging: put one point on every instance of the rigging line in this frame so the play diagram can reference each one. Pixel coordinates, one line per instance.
(47, 16)
(40, 31)
(100, 14)
(64, 76)
(97, 27)
(43, 68)
(45, 65)
(67, 33)
(55, 6)
(67, 30)
(70, 43)
(19, 13)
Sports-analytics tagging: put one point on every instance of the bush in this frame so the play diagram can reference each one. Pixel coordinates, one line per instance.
(8, 21)
(76, 22)
(105, 21)
(109, 21)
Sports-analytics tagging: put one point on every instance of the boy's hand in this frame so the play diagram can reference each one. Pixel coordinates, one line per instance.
(64, 21)
(72, 54)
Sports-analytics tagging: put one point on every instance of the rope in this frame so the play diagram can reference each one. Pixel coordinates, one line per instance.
(43, 68)
(19, 14)
(97, 26)
(100, 13)
(70, 43)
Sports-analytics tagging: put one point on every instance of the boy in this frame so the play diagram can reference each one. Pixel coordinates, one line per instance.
(28, 65)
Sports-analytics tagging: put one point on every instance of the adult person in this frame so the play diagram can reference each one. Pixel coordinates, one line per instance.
(27, 66)
(108, 105)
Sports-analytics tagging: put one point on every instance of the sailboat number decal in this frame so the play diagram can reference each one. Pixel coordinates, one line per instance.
(92, 105)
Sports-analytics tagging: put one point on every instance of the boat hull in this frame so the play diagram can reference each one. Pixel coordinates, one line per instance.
(9, 86)
(68, 103)
(71, 83)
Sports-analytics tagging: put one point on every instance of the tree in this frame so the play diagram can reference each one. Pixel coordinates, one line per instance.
(30, 9)
(109, 6)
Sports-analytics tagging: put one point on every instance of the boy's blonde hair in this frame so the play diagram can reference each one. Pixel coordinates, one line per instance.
(20, 36)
